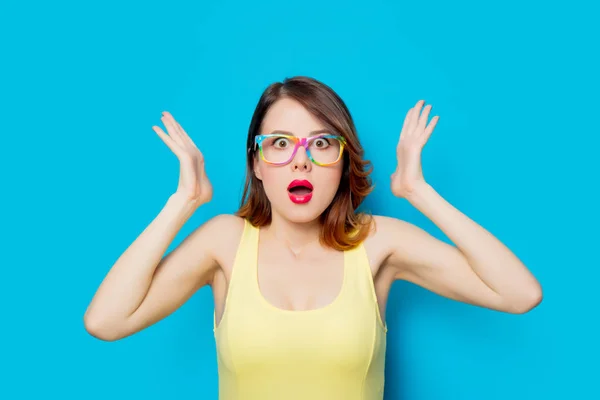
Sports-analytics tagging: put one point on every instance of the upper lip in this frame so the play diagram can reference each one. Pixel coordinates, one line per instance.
(300, 182)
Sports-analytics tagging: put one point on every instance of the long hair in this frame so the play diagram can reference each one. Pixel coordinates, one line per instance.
(343, 228)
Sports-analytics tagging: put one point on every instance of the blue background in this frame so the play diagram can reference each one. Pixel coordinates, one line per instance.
(515, 85)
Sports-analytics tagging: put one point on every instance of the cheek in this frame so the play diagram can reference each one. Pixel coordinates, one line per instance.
(328, 179)
(272, 178)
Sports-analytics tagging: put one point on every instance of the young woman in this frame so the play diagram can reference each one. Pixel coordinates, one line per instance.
(300, 278)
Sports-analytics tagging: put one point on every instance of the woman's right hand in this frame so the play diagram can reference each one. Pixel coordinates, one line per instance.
(194, 185)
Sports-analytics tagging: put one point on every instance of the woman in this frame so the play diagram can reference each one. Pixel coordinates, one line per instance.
(300, 278)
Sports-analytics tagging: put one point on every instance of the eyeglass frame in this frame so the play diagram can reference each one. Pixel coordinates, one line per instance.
(299, 141)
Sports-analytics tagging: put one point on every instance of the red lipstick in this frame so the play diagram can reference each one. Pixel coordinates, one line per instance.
(300, 191)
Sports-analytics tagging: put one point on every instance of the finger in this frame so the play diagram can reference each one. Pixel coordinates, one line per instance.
(190, 141)
(185, 136)
(182, 133)
(415, 115)
(424, 117)
(405, 124)
(169, 141)
(187, 140)
(168, 122)
(430, 128)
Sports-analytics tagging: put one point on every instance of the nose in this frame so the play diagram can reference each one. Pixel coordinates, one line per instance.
(301, 161)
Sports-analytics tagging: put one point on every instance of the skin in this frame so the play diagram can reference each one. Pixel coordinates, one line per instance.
(295, 271)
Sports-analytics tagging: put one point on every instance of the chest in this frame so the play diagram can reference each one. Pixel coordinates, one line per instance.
(329, 336)
(288, 283)
(300, 282)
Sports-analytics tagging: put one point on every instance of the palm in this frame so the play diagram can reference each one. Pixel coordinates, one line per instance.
(194, 184)
(414, 135)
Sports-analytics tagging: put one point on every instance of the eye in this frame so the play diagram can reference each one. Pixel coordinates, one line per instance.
(321, 143)
(281, 143)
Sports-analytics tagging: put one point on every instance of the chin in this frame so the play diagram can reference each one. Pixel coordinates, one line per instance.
(300, 213)
(301, 216)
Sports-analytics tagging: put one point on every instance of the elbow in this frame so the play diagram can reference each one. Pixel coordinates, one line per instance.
(530, 300)
(99, 329)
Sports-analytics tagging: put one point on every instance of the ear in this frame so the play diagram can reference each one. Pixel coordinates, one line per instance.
(256, 169)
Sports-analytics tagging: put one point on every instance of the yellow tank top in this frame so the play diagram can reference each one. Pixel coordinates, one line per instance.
(267, 353)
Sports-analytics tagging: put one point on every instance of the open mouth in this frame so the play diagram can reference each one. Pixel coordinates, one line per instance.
(300, 191)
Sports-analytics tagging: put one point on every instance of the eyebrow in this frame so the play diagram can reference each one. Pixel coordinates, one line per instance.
(311, 133)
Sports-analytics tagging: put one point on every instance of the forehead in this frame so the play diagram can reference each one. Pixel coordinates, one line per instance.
(291, 116)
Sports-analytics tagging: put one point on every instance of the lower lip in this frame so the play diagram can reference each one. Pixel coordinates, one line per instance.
(300, 199)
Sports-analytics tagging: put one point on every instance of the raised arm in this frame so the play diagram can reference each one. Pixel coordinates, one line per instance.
(478, 269)
(142, 287)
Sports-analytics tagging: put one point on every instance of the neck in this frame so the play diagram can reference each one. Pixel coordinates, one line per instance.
(295, 235)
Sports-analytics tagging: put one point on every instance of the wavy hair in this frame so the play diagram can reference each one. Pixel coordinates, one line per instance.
(343, 227)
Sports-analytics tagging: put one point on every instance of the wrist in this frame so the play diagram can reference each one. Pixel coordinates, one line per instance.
(181, 205)
(419, 191)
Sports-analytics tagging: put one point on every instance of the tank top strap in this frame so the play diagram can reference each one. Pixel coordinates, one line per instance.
(243, 269)
(360, 264)
(248, 247)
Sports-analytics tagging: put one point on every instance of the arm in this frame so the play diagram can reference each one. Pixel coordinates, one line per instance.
(141, 288)
(480, 270)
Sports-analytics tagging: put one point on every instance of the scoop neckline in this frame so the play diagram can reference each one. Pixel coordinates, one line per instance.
(322, 309)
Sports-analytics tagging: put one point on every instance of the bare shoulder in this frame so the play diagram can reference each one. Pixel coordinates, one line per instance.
(382, 227)
(385, 234)
(225, 231)
(225, 223)
(377, 244)
(385, 227)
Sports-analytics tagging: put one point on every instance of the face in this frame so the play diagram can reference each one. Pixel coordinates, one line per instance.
(300, 204)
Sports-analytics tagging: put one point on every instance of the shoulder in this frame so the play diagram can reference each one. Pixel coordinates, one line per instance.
(387, 237)
(381, 231)
(224, 232)
(397, 233)
(383, 227)
(226, 221)
(217, 237)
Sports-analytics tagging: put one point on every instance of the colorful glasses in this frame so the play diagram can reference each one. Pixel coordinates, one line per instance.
(280, 149)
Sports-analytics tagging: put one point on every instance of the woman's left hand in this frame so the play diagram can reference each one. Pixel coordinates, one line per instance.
(414, 135)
